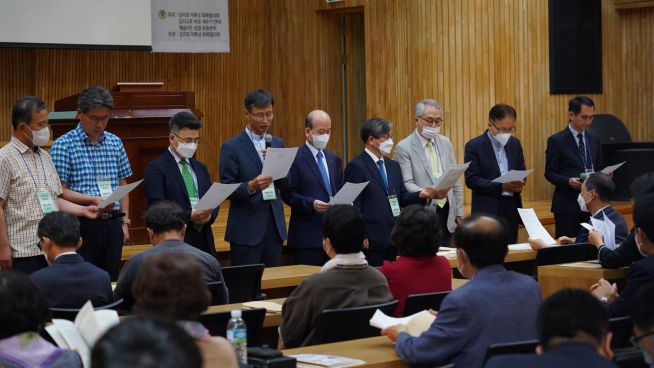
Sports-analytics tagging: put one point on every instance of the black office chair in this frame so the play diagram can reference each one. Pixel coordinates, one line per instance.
(565, 254)
(244, 282)
(419, 302)
(518, 347)
(218, 294)
(71, 313)
(629, 358)
(622, 329)
(216, 323)
(334, 325)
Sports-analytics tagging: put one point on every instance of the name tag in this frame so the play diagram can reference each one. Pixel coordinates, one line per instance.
(269, 193)
(395, 205)
(46, 202)
(105, 188)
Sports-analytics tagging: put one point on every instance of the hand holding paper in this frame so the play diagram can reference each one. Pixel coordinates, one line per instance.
(119, 193)
(348, 193)
(278, 161)
(534, 228)
(513, 175)
(216, 194)
(451, 176)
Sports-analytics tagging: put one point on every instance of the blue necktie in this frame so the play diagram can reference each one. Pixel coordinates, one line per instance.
(382, 172)
(323, 172)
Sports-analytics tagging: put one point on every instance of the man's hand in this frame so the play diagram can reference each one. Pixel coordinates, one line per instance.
(126, 237)
(96, 201)
(259, 183)
(595, 238)
(201, 217)
(441, 193)
(320, 206)
(604, 288)
(575, 183)
(91, 212)
(513, 186)
(427, 193)
(458, 219)
(564, 240)
(5, 258)
(536, 244)
(393, 331)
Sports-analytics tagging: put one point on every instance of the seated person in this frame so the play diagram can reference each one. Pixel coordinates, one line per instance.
(643, 319)
(166, 225)
(573, 331)
(145, 342)
(484, 311)
(640, 272)
(594, 198)
(345, 281)
(418, 269)
(23, 314)
(69, 281)
(171, 285)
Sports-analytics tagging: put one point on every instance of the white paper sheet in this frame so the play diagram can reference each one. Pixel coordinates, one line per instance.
(74, 340)
(533, 226)
(513, 175)
(520, 246)
(416, 323)
(331, 361)
(587, 226)
(451, 176)
(216, 194)
(609, 169)
(278, 161)
(119, 193)
(348, 193)
(607, 228)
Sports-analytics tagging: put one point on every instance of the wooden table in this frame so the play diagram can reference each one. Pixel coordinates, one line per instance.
(511, 257)
(375, 351)
(286, 276)
(272, 319)
(580, 275)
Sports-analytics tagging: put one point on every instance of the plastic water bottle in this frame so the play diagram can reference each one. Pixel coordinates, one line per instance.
(237, 334)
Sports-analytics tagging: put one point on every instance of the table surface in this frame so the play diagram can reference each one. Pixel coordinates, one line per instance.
(578, 275)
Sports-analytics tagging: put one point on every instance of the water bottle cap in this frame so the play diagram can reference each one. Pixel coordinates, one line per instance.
(236, 313)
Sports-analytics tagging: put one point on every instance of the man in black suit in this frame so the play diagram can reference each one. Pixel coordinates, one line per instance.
(491, 155)
(643, 318)
(382, 198)
(176, 176)
(570, 155)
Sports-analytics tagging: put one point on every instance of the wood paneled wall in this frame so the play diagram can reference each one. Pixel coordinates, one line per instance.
(467, 54)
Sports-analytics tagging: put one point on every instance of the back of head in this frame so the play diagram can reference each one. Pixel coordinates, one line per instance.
(417, 232)
(22, 307)
(184, 119)
(571, 315)
(601, 183)
(574, 105)
(643, 312)
(642, 185)
(343, 226)
(484, 239)
(145, 342)
(62, 228)
(171, 284)
(24, 108)
(259, 98)
(95, 97)
(164, 216)
(375, 127)
(644, 215)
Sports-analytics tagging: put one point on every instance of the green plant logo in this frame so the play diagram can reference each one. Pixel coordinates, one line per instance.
(162, 14)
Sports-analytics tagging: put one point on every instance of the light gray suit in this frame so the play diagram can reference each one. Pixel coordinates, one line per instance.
(416, 170)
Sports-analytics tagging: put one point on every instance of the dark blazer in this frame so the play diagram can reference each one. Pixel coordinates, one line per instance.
(163, 181)
(305, 185)
(621, 231)
(373, 201)
(623, 255)
(570, 355)
(562, 162)
(248, 213)
(70, 281)
(484, 168)
(640, 273)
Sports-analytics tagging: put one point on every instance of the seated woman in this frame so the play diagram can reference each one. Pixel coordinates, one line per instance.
(418, 269)
(171, 284)
(23, 314)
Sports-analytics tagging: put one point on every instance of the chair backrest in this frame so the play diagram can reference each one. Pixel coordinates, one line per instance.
(565, 254)
(419, 302)
(71, 313)
(334, 325)
(518, 347)
(622, 329)
(610, 129)
(217, 290)
(243, 282)
(216, 323)
(629, 358)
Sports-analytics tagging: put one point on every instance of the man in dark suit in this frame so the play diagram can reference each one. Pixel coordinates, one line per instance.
(491, 155)
(382, 198)
(176, 176)
(256, 227)
(573, 331)
(315, 176)
(69, 281)
(570, 155)
(643, 318)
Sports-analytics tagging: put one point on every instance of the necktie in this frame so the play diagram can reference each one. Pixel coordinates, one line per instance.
(382, 172)
(190, 186)
(435, 168)
(323, 172)
(582, 148)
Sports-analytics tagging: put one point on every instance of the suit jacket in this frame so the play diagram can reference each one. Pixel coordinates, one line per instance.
(570, 355)
(248, 213)
(70, 281)
(305, 185)
(623, 255)
(164, 181)
(484, 168)
(416, 171)
(562, 162)
(640, 273)
(373, 201)
(484, 311)
(621, 231)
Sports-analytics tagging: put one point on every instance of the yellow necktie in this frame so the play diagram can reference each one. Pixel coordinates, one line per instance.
(435, 168)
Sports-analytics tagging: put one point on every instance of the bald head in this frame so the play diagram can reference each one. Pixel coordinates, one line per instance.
(317, 117)
(484, 239)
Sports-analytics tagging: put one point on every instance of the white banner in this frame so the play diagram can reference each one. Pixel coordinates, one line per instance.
(190, 26)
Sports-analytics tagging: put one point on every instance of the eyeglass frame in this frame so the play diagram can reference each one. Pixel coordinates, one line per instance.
(430, 121)
(97, 119)
(261, 116)
(187, 140)
(502, 130)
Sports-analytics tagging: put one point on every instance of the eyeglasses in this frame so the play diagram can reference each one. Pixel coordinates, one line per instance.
(188, 140)
(503, 130)
(635, 340)
(431, 121)
(261, 115)
(98, 119)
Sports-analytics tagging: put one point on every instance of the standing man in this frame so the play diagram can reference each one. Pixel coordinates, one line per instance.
(570, 156)
(94, 163)
(491, 155)
(382, 198)
(176, 176)
(29, 188)
(315, 176)
(424, 156)
(256, 227)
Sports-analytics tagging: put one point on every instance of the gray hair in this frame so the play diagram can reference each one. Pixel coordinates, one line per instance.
(420, 106)
(95, 97)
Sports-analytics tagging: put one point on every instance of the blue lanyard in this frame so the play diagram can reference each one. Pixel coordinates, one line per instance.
(30, 171)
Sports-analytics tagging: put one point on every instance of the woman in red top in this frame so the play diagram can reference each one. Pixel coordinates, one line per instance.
(418, 269)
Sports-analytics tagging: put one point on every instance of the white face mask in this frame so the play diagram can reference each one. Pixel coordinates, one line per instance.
(41, 137)
(502, 138)
(186, 150)
(430, 133)
(582, 203)
(386, 146)
(319, 141)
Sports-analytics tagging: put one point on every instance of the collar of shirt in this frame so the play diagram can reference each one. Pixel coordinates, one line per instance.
(373, 156)
(314, 150)
(63, 254)
(82, 136)
(253, 136)
(22, 148)
(575, 132)
(496, 145)
(600, 210)
(423, 140)
(176, 157)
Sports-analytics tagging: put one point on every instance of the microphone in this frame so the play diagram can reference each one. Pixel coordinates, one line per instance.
(268, 138)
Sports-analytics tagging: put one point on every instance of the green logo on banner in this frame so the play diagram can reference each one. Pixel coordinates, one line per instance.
(162, 14)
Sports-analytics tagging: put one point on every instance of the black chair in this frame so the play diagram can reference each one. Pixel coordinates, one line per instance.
(243, 282)
(518, 347)
(218, 295)
(629, 358)
(565, 254)
(71, 313)
(419, 302)
(622, 329)
(216, 323)
(334, 325)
